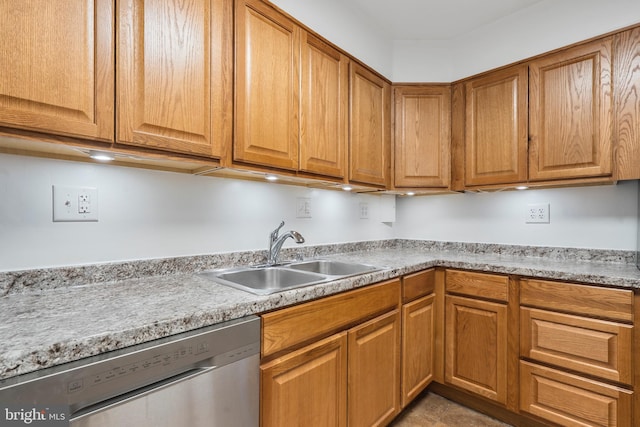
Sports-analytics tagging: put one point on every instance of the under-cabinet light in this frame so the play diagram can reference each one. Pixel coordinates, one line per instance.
(101, 156)
(522, 187)
(347, 187)
(271, 177)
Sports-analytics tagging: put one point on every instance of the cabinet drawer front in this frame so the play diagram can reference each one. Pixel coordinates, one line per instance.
(418, 284)
(615, 304)
(293, 326)
(490, 286)
(570, 400)
(594, 347)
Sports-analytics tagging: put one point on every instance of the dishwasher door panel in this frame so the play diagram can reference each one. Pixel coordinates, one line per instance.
(226, 397)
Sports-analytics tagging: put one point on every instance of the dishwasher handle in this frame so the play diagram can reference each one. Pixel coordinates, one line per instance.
(139, 392)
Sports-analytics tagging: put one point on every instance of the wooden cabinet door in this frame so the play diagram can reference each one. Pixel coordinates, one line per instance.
(307, 387)
(571, 118)
(267, 86)
(174, 75)
(370, 132)
(476, 346)
(374, 371)
(57, 62)
(417, 347)
(324, 103)
(422, 142)
(496, 128)
(626, 83)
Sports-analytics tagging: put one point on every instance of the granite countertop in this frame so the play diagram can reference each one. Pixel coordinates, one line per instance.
(48, 327)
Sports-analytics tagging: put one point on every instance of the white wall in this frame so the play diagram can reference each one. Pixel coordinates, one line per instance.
(150, 214)
(602, 217)
(344, 27)
(544, 26)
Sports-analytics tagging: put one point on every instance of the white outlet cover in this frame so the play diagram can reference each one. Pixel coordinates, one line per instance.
(303, 207)
(75, 204)
(364, 210)
(537, 213)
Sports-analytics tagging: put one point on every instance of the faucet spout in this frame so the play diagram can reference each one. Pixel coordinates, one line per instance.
(276, 242)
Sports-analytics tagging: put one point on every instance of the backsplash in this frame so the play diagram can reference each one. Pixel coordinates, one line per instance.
(23, 281)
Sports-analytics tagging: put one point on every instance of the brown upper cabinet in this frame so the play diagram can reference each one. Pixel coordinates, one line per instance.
(174, 75)
(564, 133)
(496, 128)
(324, 131)
(267, 125)
(626, 92)
(291, 95)
(370, 127)
(422, 136)
(57, 62)
(570, 115)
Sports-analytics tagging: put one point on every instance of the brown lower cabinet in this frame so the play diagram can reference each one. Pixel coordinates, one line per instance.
(351, 376)
(531, 352)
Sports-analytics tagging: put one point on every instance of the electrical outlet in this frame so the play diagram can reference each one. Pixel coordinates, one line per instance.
(303, 207)
(364, 210)
(75, 204)
(537, 213)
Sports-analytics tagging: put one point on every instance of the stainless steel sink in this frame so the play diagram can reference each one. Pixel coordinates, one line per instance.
(333, 268)
(266, 280)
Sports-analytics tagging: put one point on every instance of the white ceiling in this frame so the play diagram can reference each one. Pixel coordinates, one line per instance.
(435, 19)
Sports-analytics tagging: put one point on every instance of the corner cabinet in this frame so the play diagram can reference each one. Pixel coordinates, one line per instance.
(370, 127)
(57, 62)
(422, 136)
(174, 75)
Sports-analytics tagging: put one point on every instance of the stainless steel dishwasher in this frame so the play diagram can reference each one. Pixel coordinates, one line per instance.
(206, 377)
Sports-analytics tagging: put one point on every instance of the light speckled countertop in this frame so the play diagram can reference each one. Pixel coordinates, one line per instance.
(43, 328)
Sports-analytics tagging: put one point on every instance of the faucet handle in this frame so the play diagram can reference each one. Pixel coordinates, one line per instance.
(274, 233)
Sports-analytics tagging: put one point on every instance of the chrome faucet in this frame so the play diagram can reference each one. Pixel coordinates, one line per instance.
(276, 242)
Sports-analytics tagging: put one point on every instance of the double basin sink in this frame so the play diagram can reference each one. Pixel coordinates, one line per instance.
(266, 280)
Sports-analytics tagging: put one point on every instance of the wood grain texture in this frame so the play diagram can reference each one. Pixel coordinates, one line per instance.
(370, 127)
(57, 62)
(571, 400)
(458, 111)
(614, 304)
(324, 119)
(267, 86)
(593, 347)
(481, 285)
(293, 326)
(418, 284)
(476, 347)
(496, 128)
(418, 322)
(174, 75)
(374, 371)
(308, 386)
(571, 114)
(626, 92)
(422, 137)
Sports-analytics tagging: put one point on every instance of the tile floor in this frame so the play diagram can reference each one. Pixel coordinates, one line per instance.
(431, 410)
